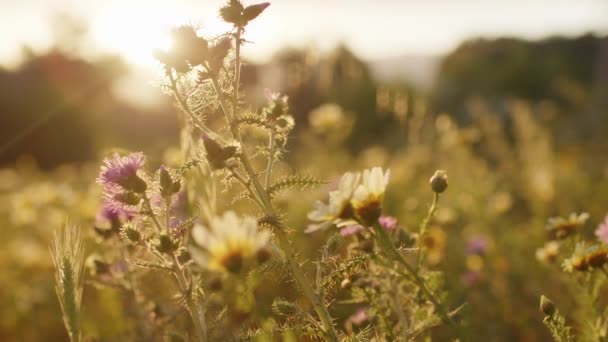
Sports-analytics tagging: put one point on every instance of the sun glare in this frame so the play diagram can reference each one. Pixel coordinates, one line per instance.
(134, 33)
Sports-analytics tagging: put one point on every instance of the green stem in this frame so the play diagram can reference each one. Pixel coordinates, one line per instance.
(182, 102)
(423, 226)
(271, 147)
(194, 308)
(266, 203)
(388, 246)
(315, 299)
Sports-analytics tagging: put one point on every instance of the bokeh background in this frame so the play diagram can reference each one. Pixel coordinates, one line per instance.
(510, 97)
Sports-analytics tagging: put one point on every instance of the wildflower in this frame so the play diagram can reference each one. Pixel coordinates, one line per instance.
(561, 228)
(230, 243)
(602, 231)
(351, 230)
(478, 245)
(388, 222)
(121, 171)
(339, 211)
(585, 258)
(548, 253)
(367, 198)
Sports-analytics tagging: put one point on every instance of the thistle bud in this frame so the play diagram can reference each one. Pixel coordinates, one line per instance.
(183, 256)
(546, 306)
(232, 12)
(439, 181)
(284, 308)
(165, 244)
(134, 183)
(131, 233)
(217, 155)
(129, 198)
(218, 53)
(253, 11)
(168, 186)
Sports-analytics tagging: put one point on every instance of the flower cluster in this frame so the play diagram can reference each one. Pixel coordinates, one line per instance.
(358, 200)
(561, 228)
(586, 258)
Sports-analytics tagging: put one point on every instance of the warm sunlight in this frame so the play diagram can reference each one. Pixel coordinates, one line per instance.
(133, 34)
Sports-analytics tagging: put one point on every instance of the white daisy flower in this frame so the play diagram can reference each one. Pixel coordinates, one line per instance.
(230, 243)
(367, 198)
(339, 210)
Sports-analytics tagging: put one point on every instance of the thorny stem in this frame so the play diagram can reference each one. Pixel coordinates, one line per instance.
(271, 147)
(266, 204)
(423, 227)
(196, 310)
(388, 246)
(182, 102)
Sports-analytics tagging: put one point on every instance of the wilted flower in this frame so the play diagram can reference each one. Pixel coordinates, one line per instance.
(585, 258)
(229, 244)
(602, 231)
(548, 253)
(368, 197)
(339, 211)
(561, 228)
(121, 171)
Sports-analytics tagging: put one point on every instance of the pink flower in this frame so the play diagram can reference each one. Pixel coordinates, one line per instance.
(359, 317)
(602, 231)
(113, 214)
(351, 230)
(388, 222)
(121, 171)
(478, 244)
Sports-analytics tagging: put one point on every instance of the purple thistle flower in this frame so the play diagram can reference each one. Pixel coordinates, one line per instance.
(113, 214)
(122, 171)
(351, 230)
(602, 231)
(477, 244)
(388, 222)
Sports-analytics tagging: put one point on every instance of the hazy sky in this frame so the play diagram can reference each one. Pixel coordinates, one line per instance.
(373, 28)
